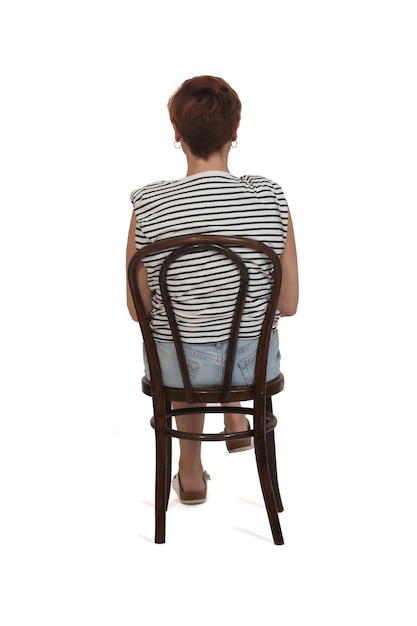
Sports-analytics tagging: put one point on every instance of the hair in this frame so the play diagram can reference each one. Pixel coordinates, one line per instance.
(206, 112)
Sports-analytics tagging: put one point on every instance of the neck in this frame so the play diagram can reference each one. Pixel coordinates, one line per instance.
(217, 162)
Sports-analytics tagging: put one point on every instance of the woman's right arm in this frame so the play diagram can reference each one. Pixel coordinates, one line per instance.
(288, 297)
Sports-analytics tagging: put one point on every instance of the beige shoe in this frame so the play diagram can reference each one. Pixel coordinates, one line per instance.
(239, 445)
(190, 498)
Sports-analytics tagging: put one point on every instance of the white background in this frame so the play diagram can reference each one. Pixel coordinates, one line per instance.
(328, 93)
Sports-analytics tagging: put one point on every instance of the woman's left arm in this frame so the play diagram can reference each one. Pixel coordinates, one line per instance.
(141, 276)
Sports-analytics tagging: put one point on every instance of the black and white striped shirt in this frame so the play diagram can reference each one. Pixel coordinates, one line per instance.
(203, 287)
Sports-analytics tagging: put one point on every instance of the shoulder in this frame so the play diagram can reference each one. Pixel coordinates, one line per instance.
(262, 184)
(256, 180)
(150, 189)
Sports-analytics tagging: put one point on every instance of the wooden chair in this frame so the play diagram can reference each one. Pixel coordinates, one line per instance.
(264, 421)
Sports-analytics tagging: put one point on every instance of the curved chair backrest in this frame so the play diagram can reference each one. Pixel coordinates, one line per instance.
(225, 245)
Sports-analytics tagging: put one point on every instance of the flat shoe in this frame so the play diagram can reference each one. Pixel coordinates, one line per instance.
(239, 445)
(190, 498)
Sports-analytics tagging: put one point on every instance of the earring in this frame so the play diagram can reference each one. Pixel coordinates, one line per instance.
(233, 144)
(177, 145)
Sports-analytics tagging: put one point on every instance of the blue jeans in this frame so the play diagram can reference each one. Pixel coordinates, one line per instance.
(206, 362)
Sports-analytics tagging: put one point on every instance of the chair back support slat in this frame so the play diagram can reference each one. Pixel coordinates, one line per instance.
(235, 324)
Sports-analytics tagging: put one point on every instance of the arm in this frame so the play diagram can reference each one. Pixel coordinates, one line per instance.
(142, 275)
(288, 297)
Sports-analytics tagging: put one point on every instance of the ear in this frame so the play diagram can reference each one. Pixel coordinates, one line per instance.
(177, 135)
(234, 136)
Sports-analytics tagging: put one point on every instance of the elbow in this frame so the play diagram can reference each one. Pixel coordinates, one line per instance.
(287, 311)
(132, 310)
(134, 317)
(287, 308)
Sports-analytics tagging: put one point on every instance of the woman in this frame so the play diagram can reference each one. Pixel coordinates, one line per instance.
(205, 114)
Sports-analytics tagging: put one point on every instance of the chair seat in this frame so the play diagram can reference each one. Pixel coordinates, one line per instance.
(213, 394)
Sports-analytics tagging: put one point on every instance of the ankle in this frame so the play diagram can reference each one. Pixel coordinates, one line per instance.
(189, 468)
(235, 423)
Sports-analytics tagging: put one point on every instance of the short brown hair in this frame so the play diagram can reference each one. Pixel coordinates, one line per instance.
(206, 113)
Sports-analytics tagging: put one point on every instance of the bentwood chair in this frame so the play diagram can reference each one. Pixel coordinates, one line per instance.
(259, 395)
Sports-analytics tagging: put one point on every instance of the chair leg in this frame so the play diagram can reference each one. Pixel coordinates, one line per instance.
(160, 486)
(268, 491)
(272, 466)
(169, 458)
(272, 461)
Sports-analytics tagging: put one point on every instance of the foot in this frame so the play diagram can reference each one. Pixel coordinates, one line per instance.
(194, 497)
(237, 426)
(192, 476)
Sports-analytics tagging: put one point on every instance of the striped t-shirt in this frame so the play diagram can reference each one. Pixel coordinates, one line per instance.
(203, 287)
